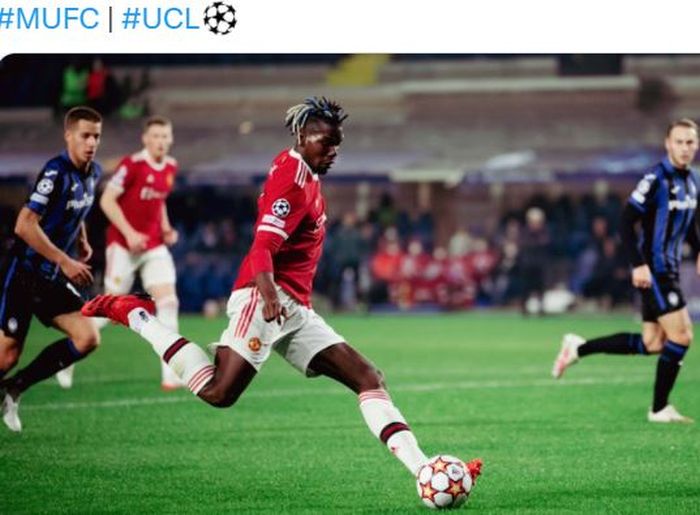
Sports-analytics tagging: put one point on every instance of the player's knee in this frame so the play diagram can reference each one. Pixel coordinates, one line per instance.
(218, 397)
(654, 345)
(86, 342)
(683, 337)
(222, 401)
(225, 401)
(371, 379)
(9, 357)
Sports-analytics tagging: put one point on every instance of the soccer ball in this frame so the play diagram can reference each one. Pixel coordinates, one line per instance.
(444, 482)
(220, 18)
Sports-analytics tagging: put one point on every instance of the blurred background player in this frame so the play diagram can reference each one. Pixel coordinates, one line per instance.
(140, 233)
(664, 202)
(39, 276)
(270, 306)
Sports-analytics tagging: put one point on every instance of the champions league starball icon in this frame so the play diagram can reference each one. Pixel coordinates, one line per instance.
(220, 18)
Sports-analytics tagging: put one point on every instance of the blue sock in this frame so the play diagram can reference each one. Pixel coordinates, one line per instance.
(53, 358)
(619, 343)
(667, 369)
(73, 349)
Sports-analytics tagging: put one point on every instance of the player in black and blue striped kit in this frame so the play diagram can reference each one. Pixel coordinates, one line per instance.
(664, 204)
(39, 277)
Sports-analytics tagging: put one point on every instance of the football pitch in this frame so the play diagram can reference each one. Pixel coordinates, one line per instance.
(471, 385)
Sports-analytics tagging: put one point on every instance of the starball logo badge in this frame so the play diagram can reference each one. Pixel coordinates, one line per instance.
(220, 18)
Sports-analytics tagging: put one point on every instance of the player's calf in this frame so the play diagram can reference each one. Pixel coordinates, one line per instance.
(388, 424)
(85, 343)
(10, 350)
(233, 375)
(184, 357)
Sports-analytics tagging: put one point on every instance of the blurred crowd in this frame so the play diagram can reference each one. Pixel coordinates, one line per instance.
(543, 257)
(91, 83)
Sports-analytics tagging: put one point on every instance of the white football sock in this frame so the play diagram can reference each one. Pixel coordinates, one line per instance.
(386, 423)
(166, 312)
(189, 362)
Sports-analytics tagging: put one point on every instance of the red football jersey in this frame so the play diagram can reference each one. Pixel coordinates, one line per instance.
(290, 225)
(144, 186)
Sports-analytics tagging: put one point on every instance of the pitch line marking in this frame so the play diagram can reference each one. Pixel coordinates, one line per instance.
(298, 392)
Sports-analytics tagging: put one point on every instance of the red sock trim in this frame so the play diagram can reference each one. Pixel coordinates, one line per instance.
(391, 429)
(170, 352)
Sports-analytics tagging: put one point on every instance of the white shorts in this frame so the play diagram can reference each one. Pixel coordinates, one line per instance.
(156, 266)
(301, 336)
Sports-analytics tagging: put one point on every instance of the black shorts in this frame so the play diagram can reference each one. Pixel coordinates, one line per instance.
(664, 296)
(25, 293)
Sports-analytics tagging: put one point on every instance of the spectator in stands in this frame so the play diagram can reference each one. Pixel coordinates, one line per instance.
(423, 228)
(532, 260)
(460, 242)
(609, 282)
(347, 251)
(480, 264)
(208, 239)
(74, 90)
(435, 276)
(97, 86)
(385, 266)
(412, 284)
(134, 100)
(386, 214)
(587, 259)
(505, 279)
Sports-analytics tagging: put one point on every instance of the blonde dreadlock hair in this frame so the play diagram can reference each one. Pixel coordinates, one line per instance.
(313, 108)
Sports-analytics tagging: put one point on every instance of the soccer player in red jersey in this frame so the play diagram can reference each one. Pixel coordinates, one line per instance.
(270, 305)
(140, 233)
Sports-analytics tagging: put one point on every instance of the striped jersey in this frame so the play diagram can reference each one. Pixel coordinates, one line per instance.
(62, 195)
(291, 222)
(666, 199)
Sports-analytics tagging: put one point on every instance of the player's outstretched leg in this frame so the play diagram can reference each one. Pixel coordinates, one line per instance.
(219, 385)
(388, 424)
(51, 359)
(136, 312)
(344, 364)
(65, 376)
(573, 348)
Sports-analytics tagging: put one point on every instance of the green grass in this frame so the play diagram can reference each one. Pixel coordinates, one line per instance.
(469, 385)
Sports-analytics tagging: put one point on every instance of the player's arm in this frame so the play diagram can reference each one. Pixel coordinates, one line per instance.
(693, 239)
(29, 229)
(641, 199)
(170, 235)
(281, 215)
(108, 202)
(272, 308)
(84, 247)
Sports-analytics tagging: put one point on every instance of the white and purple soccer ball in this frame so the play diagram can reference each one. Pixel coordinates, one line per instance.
(444, 482)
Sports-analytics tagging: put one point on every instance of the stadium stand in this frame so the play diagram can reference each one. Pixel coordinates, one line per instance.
(459, 144)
